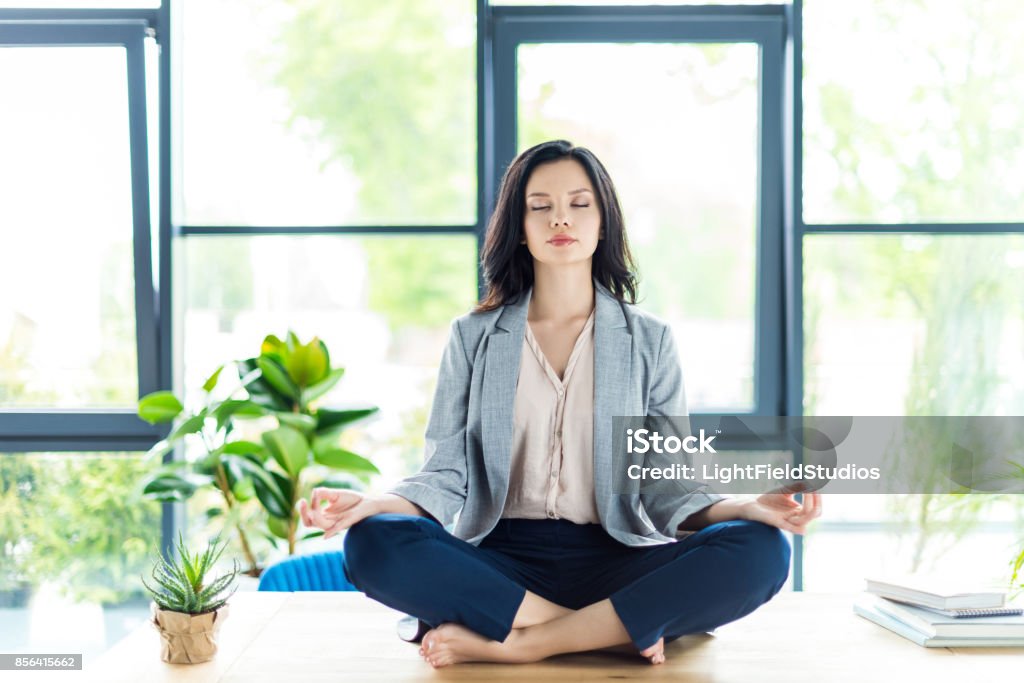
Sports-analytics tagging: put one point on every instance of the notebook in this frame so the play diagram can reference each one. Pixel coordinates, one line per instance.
(936, 625)
(930, 593)
(965, 613)
(867, 610)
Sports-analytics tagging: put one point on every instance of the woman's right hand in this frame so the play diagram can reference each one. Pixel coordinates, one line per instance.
(344, 508)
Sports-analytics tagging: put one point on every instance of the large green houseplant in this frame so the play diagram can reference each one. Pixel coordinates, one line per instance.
(275, 468)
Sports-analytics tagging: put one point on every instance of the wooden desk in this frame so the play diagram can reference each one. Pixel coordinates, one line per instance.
(277, 637)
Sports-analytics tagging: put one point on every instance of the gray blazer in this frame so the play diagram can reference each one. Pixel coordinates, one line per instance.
(469, 433)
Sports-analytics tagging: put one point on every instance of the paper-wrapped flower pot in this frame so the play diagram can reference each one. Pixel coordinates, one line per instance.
(187, 638)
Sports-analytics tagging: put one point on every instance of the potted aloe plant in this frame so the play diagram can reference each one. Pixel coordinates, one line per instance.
(274, 467)
(188, 607)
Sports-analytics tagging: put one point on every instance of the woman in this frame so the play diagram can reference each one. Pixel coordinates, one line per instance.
(547, 556)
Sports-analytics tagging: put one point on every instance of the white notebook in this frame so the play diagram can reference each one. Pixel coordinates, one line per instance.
(934, 594)
(865, 608)
(936, 625)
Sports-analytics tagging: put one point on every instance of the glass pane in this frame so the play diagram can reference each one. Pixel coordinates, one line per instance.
(912, 111)
(74, 539)
(687, 181)
(329, 112)
(840, 560)
(67, 316)
(913, 325)
(382, 306)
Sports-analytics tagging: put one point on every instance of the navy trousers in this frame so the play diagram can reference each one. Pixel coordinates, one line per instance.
(709, 578)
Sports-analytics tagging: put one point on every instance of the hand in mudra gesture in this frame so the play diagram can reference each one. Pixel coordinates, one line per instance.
(782, 511)
(334, 510)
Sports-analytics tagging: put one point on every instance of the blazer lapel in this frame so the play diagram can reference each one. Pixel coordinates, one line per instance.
(613, 345)
(501, 374)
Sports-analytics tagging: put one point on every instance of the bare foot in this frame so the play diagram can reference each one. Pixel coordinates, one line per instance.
(655, 654)
(453, 643)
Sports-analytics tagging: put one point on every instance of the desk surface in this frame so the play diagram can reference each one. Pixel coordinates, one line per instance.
(346, 636)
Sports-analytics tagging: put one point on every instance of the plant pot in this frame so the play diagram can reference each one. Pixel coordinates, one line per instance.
(187, 638)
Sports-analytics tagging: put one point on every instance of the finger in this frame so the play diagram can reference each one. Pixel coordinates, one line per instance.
(811, 509)
(810, 502)
(341, 504)
(344, 522)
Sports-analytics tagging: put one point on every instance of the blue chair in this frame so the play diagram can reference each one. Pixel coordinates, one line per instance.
(325, 572)
(316, 572)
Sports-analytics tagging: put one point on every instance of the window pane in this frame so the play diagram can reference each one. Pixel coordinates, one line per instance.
(74, 539)
(688, 190)
(840, 560)
(912, 111)
(329, 112)
(382, 306)
(914, 325)
(67, 316)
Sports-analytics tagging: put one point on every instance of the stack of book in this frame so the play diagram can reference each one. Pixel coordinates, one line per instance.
(941, 616)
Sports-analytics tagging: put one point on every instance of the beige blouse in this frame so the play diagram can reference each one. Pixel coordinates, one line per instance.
(552, 473)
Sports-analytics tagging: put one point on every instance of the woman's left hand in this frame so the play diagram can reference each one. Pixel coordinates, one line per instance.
(782, 511)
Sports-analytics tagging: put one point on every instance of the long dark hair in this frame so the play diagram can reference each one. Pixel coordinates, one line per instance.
(508, 265)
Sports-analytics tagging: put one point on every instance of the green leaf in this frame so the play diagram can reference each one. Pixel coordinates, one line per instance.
(271, 344)
(160, 406)
(312, 534)
(278, 527)
(260, 390)
(190, 426)
(331, 421)
(285, 486)
(277, 377)
(289, 448)
(210, 383)
(171, 487)
(240, 407)
(322, 387)
(345, 460)
(304, 423)
(242, 447)
(323, 349)
(266, 488)
(307, 364)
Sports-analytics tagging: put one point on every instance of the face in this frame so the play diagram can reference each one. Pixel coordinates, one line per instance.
(562, 221)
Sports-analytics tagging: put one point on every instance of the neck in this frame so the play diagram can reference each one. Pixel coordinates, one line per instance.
(563, 292)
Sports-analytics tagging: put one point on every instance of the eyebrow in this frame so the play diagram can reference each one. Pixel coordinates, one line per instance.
(545, 194)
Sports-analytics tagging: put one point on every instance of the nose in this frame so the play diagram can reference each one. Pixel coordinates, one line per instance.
(557, 222)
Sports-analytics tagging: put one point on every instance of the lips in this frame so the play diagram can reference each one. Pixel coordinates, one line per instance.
(561, 241)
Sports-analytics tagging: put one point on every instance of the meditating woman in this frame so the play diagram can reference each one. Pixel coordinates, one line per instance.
(548, 555)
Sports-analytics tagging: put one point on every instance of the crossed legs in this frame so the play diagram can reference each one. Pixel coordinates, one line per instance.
(640, 597)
